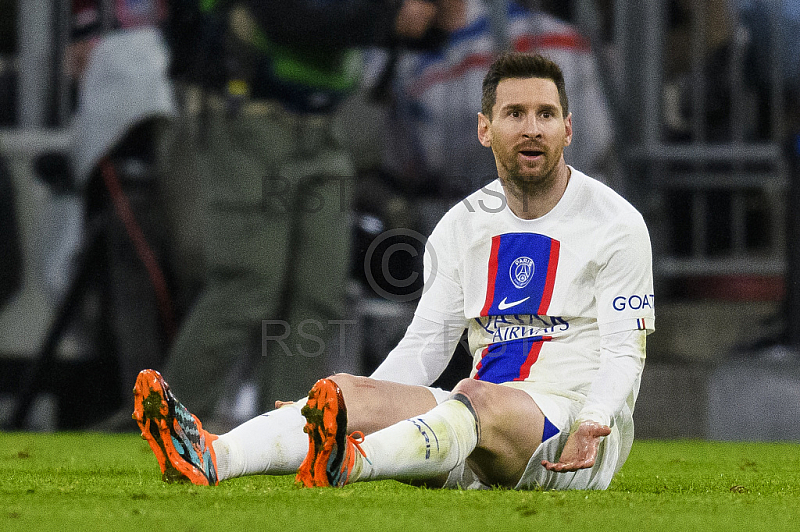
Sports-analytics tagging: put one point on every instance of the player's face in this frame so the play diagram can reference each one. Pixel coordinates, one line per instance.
(528, 132)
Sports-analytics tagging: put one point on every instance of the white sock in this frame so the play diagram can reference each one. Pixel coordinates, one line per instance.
(273, 443)
(420, 447)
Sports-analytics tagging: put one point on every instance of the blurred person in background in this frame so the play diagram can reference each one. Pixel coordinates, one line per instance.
(766, 32)
(679, 92)
(434, 93)
(270, 188)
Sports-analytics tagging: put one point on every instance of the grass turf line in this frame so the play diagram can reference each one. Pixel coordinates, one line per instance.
(72, 481)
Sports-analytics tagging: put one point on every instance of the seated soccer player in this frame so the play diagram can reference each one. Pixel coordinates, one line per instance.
(550, 272)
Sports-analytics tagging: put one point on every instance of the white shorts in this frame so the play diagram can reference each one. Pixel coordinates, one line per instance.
(561, 412)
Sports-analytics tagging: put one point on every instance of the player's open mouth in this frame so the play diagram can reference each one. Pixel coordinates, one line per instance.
(531, 153)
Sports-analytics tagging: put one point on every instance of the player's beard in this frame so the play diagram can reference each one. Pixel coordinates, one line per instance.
(528, 182)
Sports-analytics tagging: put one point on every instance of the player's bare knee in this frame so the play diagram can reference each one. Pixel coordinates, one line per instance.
(476, 395)
(474, 391)
(483, 400)
(343, 380)
(354, 388)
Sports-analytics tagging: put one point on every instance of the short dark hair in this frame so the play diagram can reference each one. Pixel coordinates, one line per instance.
(521, 65)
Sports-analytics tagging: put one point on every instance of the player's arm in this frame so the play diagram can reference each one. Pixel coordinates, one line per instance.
(623, 331)
(430, 340)
(621, 365)
(423, 353)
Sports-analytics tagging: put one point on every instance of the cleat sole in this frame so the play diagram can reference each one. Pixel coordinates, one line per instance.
(154, 412)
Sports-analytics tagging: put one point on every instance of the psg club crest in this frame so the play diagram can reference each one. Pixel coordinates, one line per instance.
(521, 271)
(531, 260)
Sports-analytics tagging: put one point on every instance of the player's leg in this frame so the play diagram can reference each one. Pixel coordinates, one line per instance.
(374, 404)
(497, 427)
(371, 405)
(273, 443)
(510, 424)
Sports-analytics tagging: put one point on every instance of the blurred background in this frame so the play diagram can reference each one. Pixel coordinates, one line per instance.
(689, 109)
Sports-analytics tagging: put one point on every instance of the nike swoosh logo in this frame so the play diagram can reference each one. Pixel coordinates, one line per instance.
(503, 305)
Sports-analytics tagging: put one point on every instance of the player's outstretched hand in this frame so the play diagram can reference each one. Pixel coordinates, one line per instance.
(580, 450)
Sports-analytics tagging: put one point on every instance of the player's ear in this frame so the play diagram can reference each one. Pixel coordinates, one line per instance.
(484, 131)
(568, 126)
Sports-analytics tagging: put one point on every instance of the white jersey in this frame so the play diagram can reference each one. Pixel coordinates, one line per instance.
(537, 295)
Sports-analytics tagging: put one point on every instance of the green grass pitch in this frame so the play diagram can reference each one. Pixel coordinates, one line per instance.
(88, 481)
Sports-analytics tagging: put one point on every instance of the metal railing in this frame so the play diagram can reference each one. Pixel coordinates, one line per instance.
(701, 160)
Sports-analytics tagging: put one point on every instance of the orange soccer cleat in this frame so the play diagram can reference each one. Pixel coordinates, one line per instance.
(331, 452)
(181, 445)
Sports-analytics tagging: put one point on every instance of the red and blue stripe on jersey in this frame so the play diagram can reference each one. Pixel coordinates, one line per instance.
(509, 361)
(521, 274)
(510, 293)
